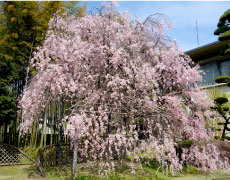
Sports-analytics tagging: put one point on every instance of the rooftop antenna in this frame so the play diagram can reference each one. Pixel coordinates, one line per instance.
(197, 37)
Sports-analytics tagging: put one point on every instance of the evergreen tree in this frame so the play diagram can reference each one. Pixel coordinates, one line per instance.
(223, 110)
(7, 97)
(223, 30)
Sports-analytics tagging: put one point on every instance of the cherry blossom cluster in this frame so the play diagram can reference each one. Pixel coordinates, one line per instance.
(126, 84)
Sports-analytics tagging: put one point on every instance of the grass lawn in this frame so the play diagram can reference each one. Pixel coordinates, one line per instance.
(28, 172)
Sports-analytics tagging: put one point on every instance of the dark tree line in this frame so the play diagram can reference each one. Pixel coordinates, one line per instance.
(23, 26)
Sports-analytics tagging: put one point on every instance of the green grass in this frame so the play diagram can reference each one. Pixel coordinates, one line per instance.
(84, 172)
(32, 152)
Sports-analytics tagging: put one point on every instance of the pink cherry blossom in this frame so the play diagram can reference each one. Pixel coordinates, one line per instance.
(127, 86)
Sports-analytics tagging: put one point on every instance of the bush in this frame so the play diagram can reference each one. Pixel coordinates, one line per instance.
(222, 79)
(221, 100)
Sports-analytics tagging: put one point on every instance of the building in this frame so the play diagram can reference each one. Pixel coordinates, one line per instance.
(212, 63)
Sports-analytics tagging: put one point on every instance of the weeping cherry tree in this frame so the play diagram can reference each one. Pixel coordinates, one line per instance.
(129, 88)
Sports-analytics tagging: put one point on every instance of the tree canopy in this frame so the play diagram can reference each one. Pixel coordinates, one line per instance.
(23, 27)
(128, 88)
(223, 30)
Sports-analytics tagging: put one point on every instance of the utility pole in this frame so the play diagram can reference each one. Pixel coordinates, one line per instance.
(197, 37)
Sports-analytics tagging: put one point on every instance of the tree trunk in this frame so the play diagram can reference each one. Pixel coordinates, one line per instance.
(43, 131)
(224, 130)
(36, 135)
(45, 125)
(74, 165)
(61, 134)
(32, 134)
(51, 128)
(5, 139)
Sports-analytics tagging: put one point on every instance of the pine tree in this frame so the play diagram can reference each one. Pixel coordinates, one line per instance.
(223, 110)
(223, 30)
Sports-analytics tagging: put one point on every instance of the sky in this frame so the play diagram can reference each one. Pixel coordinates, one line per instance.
(183, 16)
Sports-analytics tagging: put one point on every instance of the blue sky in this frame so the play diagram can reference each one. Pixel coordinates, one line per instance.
(183, 16)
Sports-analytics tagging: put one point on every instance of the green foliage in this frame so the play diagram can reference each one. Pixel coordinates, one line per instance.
(225, 17)
(220, 100)
(225, 36)
(225, 108)
(148, 158)
(217, 137)
(215, 93)
(222, 79)
(219, 125)
(31, 152)
(123, 173)
(222, 107)
(72, 8)
(227, 50)
(214, 128)
(8, 105)
(23, 25)
(227, 137)
(189, 169)
(184, 144)
(223, 30)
